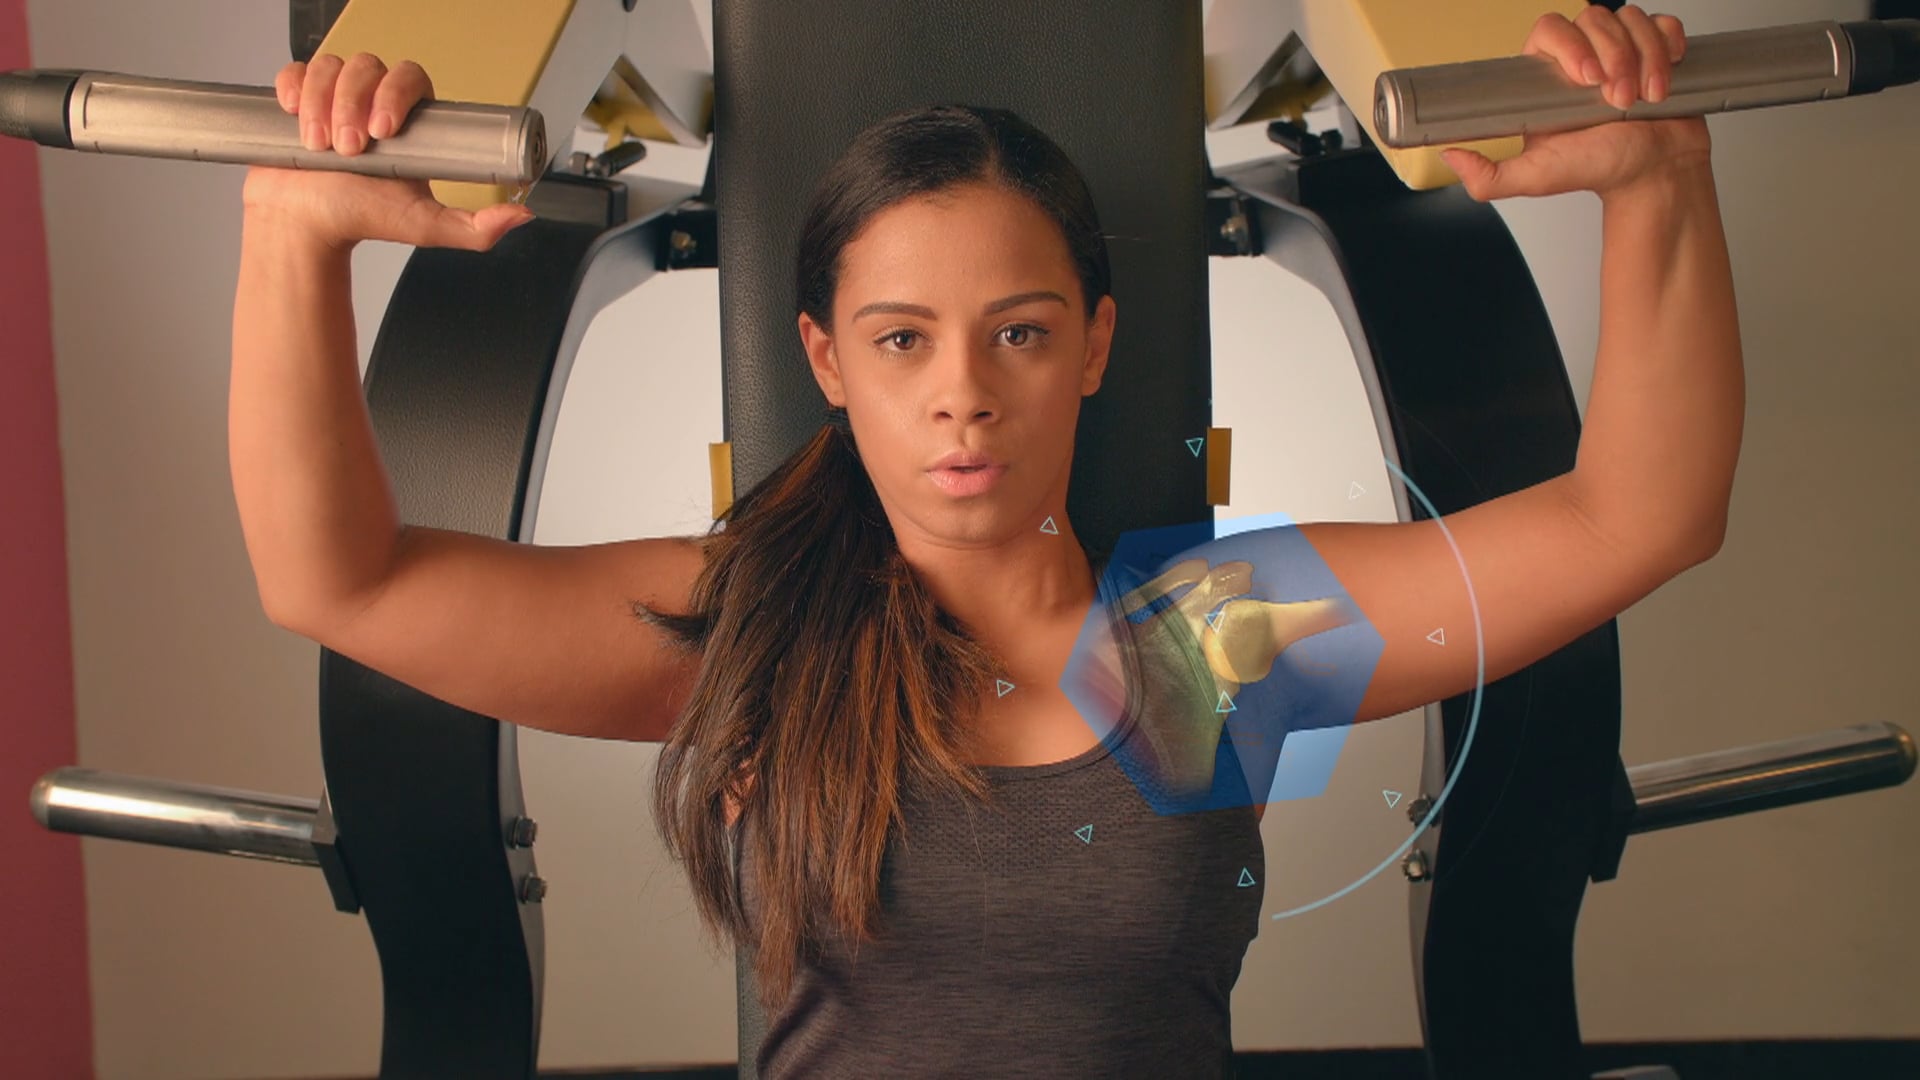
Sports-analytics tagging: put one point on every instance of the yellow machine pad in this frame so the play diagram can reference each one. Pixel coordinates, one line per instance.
(1354, 41)
(486, 51)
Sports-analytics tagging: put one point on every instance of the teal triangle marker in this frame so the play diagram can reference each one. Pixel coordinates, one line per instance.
(1213, 620)
(1226, 704)
(1003, 686)
(1195, 445)
(1049, 527)
(1085, 833)
(1246, 877)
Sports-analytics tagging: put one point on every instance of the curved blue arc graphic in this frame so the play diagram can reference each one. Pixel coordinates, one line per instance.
(1473, 717)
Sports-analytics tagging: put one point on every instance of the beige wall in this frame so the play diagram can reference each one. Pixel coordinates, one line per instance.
(1790, 923)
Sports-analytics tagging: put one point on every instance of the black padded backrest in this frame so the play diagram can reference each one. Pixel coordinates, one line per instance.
(1117, 83)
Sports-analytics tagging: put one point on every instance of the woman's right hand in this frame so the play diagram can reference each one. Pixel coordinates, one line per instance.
(340, 105)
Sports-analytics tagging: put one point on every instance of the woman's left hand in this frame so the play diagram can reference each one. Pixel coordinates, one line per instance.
(1632, 54)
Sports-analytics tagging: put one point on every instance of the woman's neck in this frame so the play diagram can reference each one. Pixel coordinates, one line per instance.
(997, 591)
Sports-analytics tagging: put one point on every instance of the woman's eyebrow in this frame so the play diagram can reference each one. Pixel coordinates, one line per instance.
(895, 307)
(1017, 299)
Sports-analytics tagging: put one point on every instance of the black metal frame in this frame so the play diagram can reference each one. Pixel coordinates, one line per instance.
(1468, 391)
(463, 387)
(1472, 401)
(463, 408)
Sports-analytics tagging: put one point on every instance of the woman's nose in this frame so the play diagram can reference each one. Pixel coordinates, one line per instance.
(966, 377)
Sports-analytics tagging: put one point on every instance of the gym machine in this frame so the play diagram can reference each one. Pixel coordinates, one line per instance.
(470, 362)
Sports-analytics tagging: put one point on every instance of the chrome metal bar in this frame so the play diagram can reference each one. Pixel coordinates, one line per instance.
(1688, 790)
(278, 828)
(1530, 95)
(106, 112)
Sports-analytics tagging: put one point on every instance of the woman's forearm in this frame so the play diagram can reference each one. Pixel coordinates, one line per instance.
(1663, 424)
(316, 509)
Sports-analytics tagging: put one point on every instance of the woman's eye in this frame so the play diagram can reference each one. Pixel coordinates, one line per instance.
(1021, 334)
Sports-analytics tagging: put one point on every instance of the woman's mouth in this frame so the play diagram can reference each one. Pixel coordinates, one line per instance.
(967, 480)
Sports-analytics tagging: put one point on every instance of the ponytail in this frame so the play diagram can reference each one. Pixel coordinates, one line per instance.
(829, 680)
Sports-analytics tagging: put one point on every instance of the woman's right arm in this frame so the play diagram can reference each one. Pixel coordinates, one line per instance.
(539, 636)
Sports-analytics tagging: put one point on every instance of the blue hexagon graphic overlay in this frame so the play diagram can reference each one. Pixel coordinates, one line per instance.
(1222, 663)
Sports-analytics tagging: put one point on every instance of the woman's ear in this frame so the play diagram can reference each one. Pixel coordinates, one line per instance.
(820, 357)
(1099, 345)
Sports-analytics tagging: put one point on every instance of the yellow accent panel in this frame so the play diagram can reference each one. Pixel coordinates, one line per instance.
(622, 118)
(1219, 465)
(1286, 99)
(1353, 41)
(487, 51)
(720, 464)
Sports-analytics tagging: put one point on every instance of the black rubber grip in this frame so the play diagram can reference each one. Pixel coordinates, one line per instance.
(33, 105)
(1885, 53)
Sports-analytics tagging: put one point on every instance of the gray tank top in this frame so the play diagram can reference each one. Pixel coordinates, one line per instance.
(1064, 930)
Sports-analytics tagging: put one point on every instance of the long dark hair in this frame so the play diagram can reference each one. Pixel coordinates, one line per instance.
(829, 677)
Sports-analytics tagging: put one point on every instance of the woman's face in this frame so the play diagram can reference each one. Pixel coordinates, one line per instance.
(959, 327)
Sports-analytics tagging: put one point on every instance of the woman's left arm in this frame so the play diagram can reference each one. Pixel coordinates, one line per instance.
(1648, 494)
(1655, 465)
(1664, 415)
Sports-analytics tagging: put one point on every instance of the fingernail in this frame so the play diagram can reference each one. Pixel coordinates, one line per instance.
(310, 136)
(1656, 88)
(382, 125)
(1591, 71)
(346, 140)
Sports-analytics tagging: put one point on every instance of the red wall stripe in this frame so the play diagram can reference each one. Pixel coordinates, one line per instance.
(46, 1019)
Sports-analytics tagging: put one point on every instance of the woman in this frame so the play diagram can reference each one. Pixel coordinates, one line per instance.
(876, 781)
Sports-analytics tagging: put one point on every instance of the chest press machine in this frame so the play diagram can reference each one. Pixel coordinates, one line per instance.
(471, 360)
